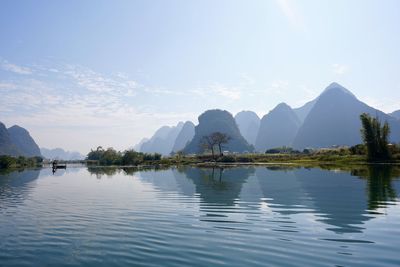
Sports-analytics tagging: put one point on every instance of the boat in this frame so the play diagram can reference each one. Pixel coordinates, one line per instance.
(57, 165)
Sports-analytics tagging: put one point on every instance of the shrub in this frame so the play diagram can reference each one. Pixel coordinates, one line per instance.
(227, 159)
(6, 162)
(359, 149)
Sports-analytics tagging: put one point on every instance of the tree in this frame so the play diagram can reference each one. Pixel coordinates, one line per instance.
(214, 139)
(207, 142)
(219, 139)
(131, 157)
(95, 154)
(111, 157)
(179, 155)
(375, 137)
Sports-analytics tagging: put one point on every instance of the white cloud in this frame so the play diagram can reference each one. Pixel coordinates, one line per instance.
(279, 86)
(52, 105)
(198, 92)
(292, 13)
(217, 89)
(15, 68)
(163, 91)
(227, 92)
(6, 85)
(53, 70)
(248, 80)
(95, 82)
(340, 69)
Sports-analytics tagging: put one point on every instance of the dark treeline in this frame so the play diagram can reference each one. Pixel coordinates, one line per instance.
(7, 162)
(110, 156)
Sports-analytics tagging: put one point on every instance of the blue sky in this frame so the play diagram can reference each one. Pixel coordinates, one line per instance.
(78, 74)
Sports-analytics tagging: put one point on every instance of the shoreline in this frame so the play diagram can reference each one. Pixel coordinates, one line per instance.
(233, 161)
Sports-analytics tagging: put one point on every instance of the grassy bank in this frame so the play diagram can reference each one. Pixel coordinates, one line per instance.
(332, 157)
(284, 155)
(309, 160)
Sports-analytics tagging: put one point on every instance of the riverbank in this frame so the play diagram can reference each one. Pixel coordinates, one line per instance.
(255, 160)
(295, 160)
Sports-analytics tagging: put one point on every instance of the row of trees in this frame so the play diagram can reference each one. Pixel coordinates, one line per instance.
(16, 162)
(110, 156)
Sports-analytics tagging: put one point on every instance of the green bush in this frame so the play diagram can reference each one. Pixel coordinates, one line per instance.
(244, 159)
(227, 159)
(132, 157)
(359, 149)
(7, 162)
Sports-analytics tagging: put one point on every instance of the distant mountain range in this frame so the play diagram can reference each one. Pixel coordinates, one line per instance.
(278, 128)
(60, 154)
(303, 111)
(334, 119)
(395, 114)
(16, 141)
(331, 119)
(138, 146)
(163, 140)
(248, 123)
(184, 137)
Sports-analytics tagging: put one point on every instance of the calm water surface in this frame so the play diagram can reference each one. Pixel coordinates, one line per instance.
(252, 216)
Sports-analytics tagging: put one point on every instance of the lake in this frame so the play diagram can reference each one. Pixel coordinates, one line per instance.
(244, 216)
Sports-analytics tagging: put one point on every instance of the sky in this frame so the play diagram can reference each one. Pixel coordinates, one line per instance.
(79, 74)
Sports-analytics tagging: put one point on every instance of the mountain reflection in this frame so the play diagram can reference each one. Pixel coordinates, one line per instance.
(338, 199)
(16, 185)
(343, 200)
(213, 185)
(218, 185)
(282, 190)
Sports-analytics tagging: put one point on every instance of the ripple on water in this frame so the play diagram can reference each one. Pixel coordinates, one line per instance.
(171, 218)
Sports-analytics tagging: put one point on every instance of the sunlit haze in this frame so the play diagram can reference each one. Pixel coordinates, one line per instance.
(78, 74)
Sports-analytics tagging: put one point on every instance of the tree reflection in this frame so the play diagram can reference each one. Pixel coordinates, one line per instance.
(380, 186)
(99, 172)
(218, 185)
(16, 185)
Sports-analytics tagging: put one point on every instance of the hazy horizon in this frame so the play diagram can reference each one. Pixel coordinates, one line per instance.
(82, 74)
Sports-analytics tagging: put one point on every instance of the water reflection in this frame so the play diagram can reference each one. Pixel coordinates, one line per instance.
(282, 190)
(99, 172)
(247, 216)
(16, 185)
(335, 197)
(381, 190)
(218, 185)
(338, 199)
